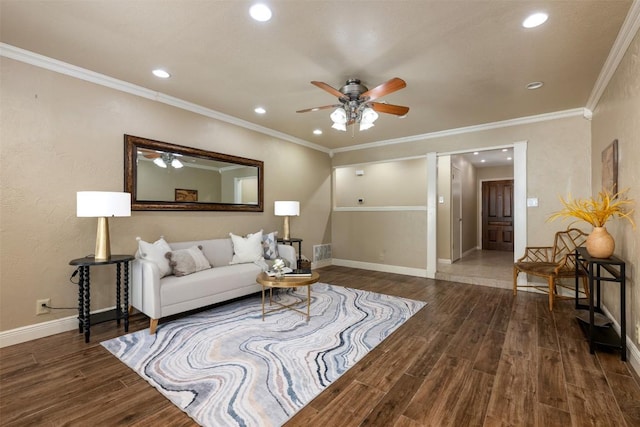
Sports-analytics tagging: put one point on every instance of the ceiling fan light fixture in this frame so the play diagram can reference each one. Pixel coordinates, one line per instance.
(339, 126)
(159, 162)
(339, 116)
(177, 164)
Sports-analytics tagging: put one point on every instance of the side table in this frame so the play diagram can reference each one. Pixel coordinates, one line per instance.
(595, 267)
(291, 241)
(85, 318)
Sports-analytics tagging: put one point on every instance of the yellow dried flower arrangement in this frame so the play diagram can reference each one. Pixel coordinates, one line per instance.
(597, 211)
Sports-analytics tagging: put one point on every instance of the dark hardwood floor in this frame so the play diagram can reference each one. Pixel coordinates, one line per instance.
(474, 356)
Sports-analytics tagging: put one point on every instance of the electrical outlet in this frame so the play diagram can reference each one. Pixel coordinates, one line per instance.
(40, 306)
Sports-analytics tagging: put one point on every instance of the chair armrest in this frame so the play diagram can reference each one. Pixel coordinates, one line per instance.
(537, 254)
(145, 288)
(288, 253)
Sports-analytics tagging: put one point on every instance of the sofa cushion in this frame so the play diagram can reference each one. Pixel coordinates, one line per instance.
(217, 251)
(174, 290)
(155, 252)
(270, 245)
(246, 249)
(187, 261)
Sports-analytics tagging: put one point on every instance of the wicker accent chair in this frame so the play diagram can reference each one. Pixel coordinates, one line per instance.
(552, 262)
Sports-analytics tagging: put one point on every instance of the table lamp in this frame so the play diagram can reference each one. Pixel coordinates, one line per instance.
(287, 209)
(102, 205)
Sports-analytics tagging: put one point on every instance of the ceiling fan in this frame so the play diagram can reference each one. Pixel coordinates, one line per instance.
(162, 159)
(357, 103)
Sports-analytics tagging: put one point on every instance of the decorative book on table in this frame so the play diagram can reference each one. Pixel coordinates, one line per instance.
(300, 272)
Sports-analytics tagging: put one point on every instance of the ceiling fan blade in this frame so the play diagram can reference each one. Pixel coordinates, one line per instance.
(149, 154)
(324, 107)
(384, 89)
(326, 87)
(398, 110)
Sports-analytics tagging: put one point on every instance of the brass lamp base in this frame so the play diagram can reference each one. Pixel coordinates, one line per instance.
(103, 245)
(286, 228)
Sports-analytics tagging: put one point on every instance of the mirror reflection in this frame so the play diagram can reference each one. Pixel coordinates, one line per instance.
(167, 176)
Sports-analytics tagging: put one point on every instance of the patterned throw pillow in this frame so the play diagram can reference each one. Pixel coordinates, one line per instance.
(270, 245)
(187, 261)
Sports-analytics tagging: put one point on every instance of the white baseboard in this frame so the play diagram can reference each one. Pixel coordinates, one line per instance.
(408, 271)
(321, 263)
(444, 261)
(633, 353)
(41, 330)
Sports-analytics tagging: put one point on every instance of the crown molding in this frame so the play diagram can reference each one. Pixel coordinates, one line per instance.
(468, 129)
(35, 59)
(627, 32)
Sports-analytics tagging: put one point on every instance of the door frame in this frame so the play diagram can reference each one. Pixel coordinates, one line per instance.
(519, 201)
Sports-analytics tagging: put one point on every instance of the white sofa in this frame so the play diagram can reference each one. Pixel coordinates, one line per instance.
(158, 297)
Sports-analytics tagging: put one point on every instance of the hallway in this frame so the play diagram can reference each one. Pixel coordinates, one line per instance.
(486, 268)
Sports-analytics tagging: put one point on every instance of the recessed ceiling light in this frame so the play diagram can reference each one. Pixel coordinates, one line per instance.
(317, 132)
(475, 153)
(482, 161)
(535, 20)
(259, 110)
(161, 73)
(505, 150)
(534, 85)
(509, 158)
(260, 12)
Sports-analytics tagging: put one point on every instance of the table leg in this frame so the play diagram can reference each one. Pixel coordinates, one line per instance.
(81, 300)
(87, 305)
(126, 296)
(308, 301)
(263, 303)
(118, 284)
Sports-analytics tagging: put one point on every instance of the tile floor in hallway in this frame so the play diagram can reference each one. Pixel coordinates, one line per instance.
(487, 268)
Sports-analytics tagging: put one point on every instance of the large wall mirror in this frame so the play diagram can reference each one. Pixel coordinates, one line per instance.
(163, 176)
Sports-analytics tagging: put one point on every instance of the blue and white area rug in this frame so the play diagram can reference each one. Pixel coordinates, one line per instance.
(228, 367)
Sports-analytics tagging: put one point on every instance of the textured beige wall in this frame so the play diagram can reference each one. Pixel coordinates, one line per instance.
(392, 238)
(617, 116)
(396, 183)
(494, 172)
(444, 209)
(60, 135)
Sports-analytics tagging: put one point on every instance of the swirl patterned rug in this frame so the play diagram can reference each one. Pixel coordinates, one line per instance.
(227, 367)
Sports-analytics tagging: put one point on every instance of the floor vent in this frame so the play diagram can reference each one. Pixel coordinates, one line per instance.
(321, 252)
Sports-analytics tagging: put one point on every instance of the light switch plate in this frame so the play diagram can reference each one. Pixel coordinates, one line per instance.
(532, 202)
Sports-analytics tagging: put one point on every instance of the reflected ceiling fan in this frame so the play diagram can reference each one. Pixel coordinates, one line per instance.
(162, 159)
(357, 103)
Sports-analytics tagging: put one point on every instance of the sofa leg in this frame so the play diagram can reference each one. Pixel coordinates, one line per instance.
(153, 325)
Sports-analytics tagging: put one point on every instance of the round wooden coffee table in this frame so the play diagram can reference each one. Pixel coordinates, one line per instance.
(269, 282)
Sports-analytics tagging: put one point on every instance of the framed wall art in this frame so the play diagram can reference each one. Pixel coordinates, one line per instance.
(183, 195)
(610, 168)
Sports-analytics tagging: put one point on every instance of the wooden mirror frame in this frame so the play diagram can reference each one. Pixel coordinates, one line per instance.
(131, 145)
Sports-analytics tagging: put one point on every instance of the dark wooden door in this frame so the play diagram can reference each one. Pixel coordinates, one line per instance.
(497, 215)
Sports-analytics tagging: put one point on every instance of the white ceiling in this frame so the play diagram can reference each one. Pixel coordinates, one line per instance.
(465, 62)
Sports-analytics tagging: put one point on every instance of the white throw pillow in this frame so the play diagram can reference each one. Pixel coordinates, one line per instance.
(246, 249)
(187, 261)
(155, 252)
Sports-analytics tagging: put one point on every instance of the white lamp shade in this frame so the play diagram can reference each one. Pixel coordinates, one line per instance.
(103, 204)
(287, 208)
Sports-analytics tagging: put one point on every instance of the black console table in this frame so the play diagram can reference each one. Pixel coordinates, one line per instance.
(291, 241)
(85, 318)
(595, 268)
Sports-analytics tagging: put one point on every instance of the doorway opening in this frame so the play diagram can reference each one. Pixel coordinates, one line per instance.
(482, 230)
